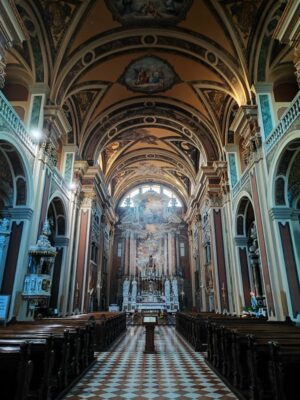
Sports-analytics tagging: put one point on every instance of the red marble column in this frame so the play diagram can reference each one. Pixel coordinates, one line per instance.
(56, 278)
(291, 267)
(81, 256)
(219, 247)
(262, 245)
(245, 276)
(12, 258)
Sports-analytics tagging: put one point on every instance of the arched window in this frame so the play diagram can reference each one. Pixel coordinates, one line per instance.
(128, 199)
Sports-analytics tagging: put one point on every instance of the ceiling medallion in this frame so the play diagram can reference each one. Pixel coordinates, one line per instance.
(149, 12)
(149, 75)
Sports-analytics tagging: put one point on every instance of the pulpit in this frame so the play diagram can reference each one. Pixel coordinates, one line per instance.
(149, 322)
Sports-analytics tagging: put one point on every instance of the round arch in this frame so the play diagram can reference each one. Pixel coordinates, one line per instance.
(242, 196)
(57, 216)
(291, 137)
(22, 170)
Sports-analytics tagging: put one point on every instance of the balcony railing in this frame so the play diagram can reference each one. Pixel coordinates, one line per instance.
(11, 119)
(241, 183)
(291, 114)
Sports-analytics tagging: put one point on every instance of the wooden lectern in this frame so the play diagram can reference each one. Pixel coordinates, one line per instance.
(149, 322)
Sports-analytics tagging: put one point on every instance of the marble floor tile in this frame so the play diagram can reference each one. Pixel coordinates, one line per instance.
(174, 372)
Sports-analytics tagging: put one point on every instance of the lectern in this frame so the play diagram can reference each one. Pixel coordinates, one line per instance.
(149, 322)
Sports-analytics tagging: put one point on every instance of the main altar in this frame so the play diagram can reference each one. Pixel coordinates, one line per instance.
(150, 290)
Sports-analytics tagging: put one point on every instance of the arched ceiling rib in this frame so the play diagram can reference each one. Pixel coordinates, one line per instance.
(205, 54)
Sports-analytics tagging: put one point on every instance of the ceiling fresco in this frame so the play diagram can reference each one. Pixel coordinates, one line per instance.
(149, 87)
(149, 12)
(149, 75)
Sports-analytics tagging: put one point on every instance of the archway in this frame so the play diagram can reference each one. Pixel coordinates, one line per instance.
(57, 218)
(151, 257)
(286, 213)
(248, 252)
(14, 200)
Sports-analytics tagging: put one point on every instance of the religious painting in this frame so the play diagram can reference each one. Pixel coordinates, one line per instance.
(149, 12)
(149, 75)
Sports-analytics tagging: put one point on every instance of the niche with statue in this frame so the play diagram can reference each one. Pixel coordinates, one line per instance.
(37, 281)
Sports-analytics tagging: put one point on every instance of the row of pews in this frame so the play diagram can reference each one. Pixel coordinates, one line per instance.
(43, 359)
(259, 359)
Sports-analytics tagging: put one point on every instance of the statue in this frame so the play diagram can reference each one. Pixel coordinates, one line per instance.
(125, 288)
(167, 290)
(134, 291)
(4, 224)
(253, 300)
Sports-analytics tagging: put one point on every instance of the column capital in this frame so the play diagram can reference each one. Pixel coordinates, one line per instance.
(245, 125)
(87, 199)
(56, 123)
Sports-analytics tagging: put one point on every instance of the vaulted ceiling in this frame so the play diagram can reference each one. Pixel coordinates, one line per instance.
(149, 86)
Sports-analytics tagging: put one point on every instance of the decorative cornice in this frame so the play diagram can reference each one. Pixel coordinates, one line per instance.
(288, 26)
(57, 120)
(284, 213)
(61, 241)
(245, 125)
(240, 241)
(17, 213)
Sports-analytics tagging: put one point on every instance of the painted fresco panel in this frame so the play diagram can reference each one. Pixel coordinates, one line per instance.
(149, 75)
(36, 111)
(150, 12)
(233, 169)
(265, 109)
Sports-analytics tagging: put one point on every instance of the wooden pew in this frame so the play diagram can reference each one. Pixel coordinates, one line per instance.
(15, 371)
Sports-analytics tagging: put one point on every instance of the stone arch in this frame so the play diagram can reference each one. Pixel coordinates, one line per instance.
(59, 210)
(247, 247)
(57, 217)
(274, 169)
(18, 171)
(284, 201)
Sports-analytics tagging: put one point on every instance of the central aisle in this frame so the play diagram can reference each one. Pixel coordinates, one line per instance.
(175, 372)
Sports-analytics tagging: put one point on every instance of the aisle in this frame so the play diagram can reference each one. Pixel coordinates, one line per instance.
(175, 372)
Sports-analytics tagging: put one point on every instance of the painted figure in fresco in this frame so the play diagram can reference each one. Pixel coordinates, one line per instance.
(149, 9)
(170, 6)
(127, 7)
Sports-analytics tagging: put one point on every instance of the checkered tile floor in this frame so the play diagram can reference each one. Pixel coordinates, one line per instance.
(175, 372)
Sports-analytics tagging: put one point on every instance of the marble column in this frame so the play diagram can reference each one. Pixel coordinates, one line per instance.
(166, 254)
(243, 273)
(297, 63)
(262, 246)
(177, 253)
(132, 255)
(82, 252)
(2, 69)
(127, 243)
(171, 253)
(4, 238)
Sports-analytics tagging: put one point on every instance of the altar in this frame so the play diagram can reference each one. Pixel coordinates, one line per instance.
(150, 290)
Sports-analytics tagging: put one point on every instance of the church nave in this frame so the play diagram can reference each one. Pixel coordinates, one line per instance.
(174, 372)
